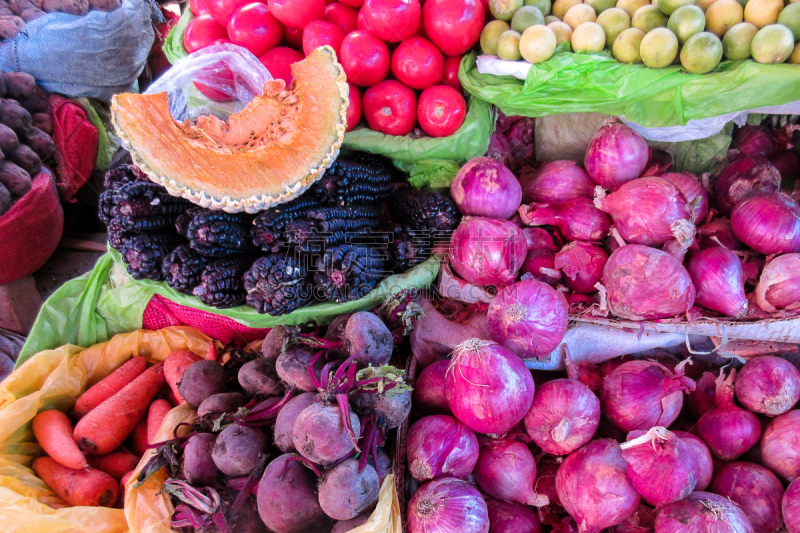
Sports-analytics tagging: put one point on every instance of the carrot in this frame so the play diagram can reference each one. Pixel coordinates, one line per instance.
(122, 483)
(156, 415)
(175, 365)
(53, 430)
(211, 352)
(115, 464)
(87, 486)
(104, 428)
(138, 438)
(110, 385)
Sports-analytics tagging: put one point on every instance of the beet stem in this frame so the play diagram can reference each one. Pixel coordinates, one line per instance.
(344, 410)
(219, 520)
(252, 481)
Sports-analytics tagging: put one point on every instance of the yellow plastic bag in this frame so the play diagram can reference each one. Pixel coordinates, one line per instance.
(54, 379)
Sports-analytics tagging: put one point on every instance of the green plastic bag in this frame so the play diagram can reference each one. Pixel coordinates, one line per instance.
(571, 83)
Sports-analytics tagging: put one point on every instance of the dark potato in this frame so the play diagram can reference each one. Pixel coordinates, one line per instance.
(10, 27)
(13, 115)
(40, 142)
(43, 121)
(26, 159)
(5, 199)
(39, 99)
(16, 180)
(8, 139)
(70, 7)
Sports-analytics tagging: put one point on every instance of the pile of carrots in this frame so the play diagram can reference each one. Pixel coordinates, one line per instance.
(115, 421)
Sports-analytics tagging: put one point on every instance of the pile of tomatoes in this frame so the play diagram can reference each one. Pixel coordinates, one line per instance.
(403, 55)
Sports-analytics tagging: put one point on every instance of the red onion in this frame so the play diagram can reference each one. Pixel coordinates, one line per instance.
(504, 122)
(779, 285)
(790, 507)
(616, 155)
(694, 192)
(742, 178)
(728, 430)
(753, 141)
(429, 394)
(446, 505)
(538, 239)
(546, 482)
(594, 487)
(577, 220)
(540, 261)
(508, 517)
(644, 283)
(440, 445)
(701, 399)
(563, 417)
(768, 385)
(499, 148)
(787, 163)
(646, 210)
(484, 187)
(520, 139)
(702, 456)
(756, 490)
(488, 387)
(659, 162)
(486, 251)
(583, 264)
(702, 512)
(557, 182)
(779, 447)
(506, 470)
(768, 223)
(644, 394)
(529, 318)
(584, 372)
(718, 278)
(661, 466)
(718, 232)
(567, 525)
(642, 520)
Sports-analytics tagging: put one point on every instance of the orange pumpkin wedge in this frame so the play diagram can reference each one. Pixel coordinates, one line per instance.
(267, 154)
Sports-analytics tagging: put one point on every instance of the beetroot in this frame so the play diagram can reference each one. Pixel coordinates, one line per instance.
(202, 379)
(367, 336)
(284, 424)
(344, 492)
(259, 376)
(429, 395)
(197, 468)
(392, 407)
(292, 367)
(225, 402)
(320, 436)
(344, 526)
(273, 343)
(237, 449)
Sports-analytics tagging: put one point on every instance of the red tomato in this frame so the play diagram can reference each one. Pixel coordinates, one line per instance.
(293, 37)
(450, 75)
(392, 20)
(390, 108)
(441, 110)
(222, 10)
(418, 63)
(253, 27)
(353, 3)
(297, 13)
(199, 7)
(201, 32)
(319, 33)
(354, 109)
(453, 25)
(218, 84)
(279, 60)
(365, 58)
(343, 16)
(361, 21)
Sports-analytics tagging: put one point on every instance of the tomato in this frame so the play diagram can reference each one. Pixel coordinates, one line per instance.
(390, 107)
(354, 109)
(343, 16)
(352, 3)
(361, 21)
(218, 81)
(293, 37)
(253, 27)
(392, 20)
(453, 25)
(441, 110)
(417, 63)
(222, 10)
(279, 60)
(199, 7)
(201, 32)
(365, 58)
(450, 75)
(319, 33)
(297, 13)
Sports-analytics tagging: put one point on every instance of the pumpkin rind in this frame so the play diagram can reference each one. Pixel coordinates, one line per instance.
(267, 154)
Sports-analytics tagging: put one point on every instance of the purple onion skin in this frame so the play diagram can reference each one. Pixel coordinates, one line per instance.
(509, 517)
(779, 284)
(486, 251)
(639, 395)
(582, 264)
(756, 490)
(768, 223)
(768, 385)
(529, 318)
(705, 464)
(742, 178)
(557, 182)
(499, 148)
(440, 445)
(702, 512)
(694, 192)
(660, 161)
(779, 446)
(447, 505)
(429, 396)
(641, 521)
(484, 187)
(563, 417)
(546, 472)
(594, 487)
(656, 287)
(535, 261)
(577, 220)
(506, 470)
(488, 387)
(790, 507)
(754, 141)
(616, 155)
(719, 281)
(787, 163)
(718, 232)
(701, 399)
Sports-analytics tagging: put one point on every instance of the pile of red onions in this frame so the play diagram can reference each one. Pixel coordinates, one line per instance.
(768, 385)
(659, 162)
(702, 512)
(643, 283)
(790, 507)
(701, 399)
(557, 182)
(779, 448)
(641, 521)
(577, 220)
(484, 187)
(768, 223)
(756, 490)
(446, 505)
(719, 281)
(508, 517)
(702, 457)
(718, 232)
(779, 284)
(540, 261)
(616, 155)
(582, 264)
(742, 178)
(506, 470)
(694, 192)
(753, 141)
(488, 387)
(639, 395)
(487, 251)
(440, 445)
(563, 417)
(429, 394)
(529, 318)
